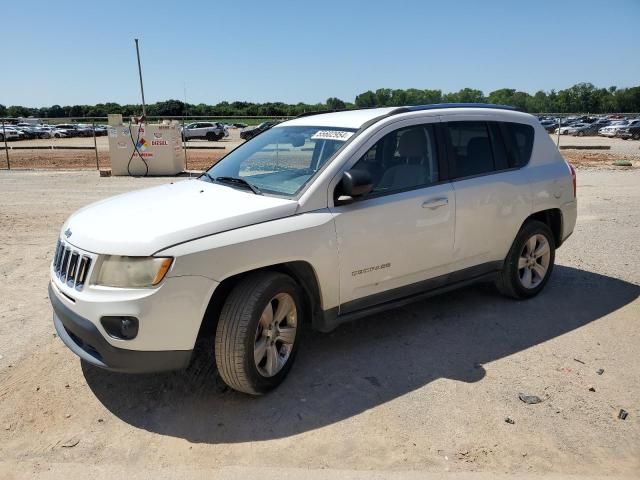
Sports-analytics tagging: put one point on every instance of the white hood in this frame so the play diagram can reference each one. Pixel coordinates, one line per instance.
(143, 222)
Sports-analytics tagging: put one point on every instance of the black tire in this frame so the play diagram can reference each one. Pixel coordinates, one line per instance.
(635, 136)
(581, 134)
(237, 328)
(211, 136)
(1, 137)
(508, 281)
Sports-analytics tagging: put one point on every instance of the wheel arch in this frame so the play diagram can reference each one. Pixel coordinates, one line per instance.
(551, 217)
(302, 272)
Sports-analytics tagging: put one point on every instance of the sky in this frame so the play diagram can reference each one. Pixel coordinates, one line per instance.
(83, 52)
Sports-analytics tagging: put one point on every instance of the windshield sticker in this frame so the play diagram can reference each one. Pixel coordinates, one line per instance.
(338, 135)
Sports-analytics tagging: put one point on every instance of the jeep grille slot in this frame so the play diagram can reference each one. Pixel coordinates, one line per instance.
(70, 266)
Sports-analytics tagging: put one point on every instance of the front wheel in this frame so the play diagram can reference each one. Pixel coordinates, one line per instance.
(529, 263)
(258, 332)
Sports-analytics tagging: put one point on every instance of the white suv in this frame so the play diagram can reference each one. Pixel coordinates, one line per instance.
(205, 130)
(317, 221)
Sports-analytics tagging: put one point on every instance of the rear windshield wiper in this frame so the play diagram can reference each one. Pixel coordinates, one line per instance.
(236, 181)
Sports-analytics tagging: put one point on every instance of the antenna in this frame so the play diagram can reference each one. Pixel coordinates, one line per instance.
(144, 107)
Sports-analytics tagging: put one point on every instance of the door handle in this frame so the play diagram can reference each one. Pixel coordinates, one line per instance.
(435, 203)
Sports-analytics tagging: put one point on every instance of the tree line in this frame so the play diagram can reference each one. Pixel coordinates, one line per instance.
(582, 97)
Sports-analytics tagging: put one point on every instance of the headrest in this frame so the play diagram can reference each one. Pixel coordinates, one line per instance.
(478, 147)
(412, 143)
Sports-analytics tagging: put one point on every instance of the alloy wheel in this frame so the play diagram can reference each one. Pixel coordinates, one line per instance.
(533, 263)
(275, 335)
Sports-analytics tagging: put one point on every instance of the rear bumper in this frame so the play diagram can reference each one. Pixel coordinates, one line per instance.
(85, 340)
(569, 218)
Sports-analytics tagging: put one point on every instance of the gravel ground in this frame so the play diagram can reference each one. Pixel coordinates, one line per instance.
(620, 147)
(425, 388)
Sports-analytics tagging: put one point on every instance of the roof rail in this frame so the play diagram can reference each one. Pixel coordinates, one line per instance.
(434, 106)
(415, 108)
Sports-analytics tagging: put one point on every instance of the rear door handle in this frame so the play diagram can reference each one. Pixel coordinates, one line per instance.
(435, 203)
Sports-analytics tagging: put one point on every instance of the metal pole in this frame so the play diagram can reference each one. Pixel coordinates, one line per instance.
(144, 107)
(186, 112)
(95, 145)
(184, 145)
(6, 149)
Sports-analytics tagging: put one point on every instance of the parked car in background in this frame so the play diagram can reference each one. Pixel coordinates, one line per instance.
(584, 129)
(250, 132)
(44, 132)
(101, 130)
(69, 129)
(29, 132)
(571, 128)
(10, 133)
(612, 130)
(549, 125)
(632, 132)
(61, 131)
(212, 131)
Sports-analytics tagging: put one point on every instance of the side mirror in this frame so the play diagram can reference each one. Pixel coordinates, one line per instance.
(354, 184)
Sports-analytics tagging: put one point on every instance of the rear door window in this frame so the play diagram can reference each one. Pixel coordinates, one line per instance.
(471, 152)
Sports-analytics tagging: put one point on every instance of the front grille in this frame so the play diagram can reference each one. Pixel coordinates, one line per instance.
(70, 266)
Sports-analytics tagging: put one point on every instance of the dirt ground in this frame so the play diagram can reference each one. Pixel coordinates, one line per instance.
(422, 389)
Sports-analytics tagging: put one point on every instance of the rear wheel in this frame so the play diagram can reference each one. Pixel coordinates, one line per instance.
(636, 136)
(529, 263)
(580, 133)
(258, 331)
(211, 136)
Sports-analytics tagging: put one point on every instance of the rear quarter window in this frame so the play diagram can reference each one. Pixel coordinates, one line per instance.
(519, 142)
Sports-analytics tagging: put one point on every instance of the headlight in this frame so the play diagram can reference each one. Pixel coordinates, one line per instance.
(131, 272)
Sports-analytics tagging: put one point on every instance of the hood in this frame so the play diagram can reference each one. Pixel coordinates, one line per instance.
(143, 222)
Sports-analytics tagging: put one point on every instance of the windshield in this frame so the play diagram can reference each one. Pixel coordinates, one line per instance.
(283, 159)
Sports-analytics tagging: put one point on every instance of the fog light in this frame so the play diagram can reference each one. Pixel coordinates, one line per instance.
(122, 328)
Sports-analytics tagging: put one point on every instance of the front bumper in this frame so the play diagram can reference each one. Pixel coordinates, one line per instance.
(85, 340)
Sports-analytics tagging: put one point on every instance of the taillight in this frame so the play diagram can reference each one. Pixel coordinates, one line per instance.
(573, 177)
